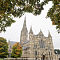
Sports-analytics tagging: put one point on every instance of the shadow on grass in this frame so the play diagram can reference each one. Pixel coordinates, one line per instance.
(1, 59)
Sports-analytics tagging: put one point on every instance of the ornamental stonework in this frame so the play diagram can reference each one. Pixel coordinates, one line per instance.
(38, 46)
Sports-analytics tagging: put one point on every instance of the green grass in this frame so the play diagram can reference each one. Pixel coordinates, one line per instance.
(1, 59)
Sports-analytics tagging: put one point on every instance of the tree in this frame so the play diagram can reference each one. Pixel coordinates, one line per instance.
(17, 8)
(54, 13)
(57, 51)
(16, 50)
(3, 48)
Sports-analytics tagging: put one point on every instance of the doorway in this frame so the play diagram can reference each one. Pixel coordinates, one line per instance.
(43, 57)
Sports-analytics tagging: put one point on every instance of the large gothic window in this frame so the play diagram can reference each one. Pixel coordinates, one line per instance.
(42, 44)
(35, 53)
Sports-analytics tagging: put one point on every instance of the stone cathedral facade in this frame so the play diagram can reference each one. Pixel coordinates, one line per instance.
(38, 46)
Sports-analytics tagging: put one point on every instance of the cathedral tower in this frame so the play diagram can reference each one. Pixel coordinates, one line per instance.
(50, 42)
(24, 33)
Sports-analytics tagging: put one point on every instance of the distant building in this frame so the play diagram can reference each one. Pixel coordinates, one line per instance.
(37, 47)
(10, 45)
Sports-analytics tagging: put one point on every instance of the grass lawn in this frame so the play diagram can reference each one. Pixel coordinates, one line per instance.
(1, 59)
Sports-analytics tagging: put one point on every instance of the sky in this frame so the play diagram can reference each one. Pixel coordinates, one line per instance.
(38, 23)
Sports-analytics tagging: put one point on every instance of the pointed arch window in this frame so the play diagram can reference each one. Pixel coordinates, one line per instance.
(35, 53)
(42, 44)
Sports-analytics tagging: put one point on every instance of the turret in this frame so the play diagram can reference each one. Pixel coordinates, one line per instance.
(49, 37)
(50, 42)
(30, 33)
(41, 34)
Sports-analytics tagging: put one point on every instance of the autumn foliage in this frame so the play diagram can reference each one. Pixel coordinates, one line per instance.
(17, 8)
(3, 48)
(16, 50)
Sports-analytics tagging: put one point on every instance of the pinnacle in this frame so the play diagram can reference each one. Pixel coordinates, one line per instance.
(31, 30)
(49, 35)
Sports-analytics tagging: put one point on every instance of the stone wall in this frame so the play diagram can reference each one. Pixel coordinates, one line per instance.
(20, 59)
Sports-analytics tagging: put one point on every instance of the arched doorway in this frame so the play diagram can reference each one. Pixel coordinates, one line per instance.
(59, 58)
(43, 57)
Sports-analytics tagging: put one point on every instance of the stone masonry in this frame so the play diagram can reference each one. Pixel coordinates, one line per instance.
(38, 46)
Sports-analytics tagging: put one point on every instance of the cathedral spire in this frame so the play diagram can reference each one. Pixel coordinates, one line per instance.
(24, 25)
(49, 35)
(24, 33)
(31, 30)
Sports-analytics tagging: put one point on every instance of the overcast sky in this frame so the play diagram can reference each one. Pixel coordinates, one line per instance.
(37, 22)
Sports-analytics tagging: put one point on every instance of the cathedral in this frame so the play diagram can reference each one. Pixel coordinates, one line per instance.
(36, 47)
